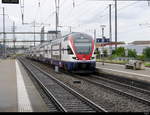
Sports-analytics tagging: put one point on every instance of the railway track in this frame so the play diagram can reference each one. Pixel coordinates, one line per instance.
(131, 92)
(103, 92)
(64, 99)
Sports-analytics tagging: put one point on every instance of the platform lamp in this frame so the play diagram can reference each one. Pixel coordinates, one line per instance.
(102, 27)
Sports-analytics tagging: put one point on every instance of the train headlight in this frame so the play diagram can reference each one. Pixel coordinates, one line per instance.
(75, 58)
(92, 57)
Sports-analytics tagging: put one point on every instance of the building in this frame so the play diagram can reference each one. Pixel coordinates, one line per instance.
(138, 46)
(147, 43)
(52, 35)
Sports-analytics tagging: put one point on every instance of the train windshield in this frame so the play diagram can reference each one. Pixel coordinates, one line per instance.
(83, 44)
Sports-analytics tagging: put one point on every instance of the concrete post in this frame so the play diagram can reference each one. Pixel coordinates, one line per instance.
(56, 69)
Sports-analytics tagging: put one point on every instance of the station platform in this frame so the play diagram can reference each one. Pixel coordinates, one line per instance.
(17, 92)
(117, 69)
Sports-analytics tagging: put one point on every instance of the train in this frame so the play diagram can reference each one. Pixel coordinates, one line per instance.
(73, 52)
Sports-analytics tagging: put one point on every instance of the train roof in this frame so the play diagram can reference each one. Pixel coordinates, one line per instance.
(57, 40)
(75, 33)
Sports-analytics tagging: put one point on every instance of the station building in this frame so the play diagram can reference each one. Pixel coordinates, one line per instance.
(138, 46)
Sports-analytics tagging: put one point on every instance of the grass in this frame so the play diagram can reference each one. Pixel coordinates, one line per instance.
(146, 64)
(15, 55)
(112, 61)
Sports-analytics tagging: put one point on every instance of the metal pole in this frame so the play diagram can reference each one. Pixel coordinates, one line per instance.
(95, 41)
(22, 10)
(110, 28)
(94, 35)
(4, 52)
(70, 28)
(57, 21)
(115, 24)
(57, 10)
(103, 44)
(42, 34)
(34, 33)
(102, 32)
(14, 39)
(56, 17)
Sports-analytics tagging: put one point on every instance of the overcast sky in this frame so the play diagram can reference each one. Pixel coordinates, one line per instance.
(83, 16)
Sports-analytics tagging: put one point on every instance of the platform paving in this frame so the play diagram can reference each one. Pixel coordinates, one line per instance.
(9, 96)
(36, 102)
(8, 87)
(117, 69)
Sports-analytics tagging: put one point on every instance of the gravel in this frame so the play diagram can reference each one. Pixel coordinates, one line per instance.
(111, 101)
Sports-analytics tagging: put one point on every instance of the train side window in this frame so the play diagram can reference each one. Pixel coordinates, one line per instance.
(66, 38)
(69, 50)
(63, 50)
(46, 51)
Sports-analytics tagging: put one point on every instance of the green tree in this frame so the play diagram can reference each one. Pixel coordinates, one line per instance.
(146, 52)
(120, 52)
(132, 53)
(141, 57)
(105, 52)
(113, 52)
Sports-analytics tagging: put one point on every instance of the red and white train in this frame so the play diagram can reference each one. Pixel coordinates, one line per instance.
(74, 52)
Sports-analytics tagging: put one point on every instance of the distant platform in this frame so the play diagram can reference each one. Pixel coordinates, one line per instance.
(117, 69)
(17, 92)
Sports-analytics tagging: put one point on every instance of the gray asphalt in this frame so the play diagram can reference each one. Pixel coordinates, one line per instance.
(8, 87)
(117, 68)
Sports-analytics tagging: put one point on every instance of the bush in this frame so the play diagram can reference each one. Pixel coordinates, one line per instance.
(146, 52)
(141, 57)
(120, 52)
(132, 53)
(105, 53)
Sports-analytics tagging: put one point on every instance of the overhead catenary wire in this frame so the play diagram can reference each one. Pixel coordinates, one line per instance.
(40, 7)
(87, 12)
(37, 9)
(52, 13)
(101, 16)
(84, 12)
(74, 8)
(120, 9)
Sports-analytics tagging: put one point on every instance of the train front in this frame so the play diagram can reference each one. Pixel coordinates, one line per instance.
(83, 49)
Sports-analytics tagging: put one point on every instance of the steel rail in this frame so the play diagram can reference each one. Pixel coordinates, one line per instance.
(116, 90)
(122, 84)
(92, 104)
(55, 101)
(73, 92)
